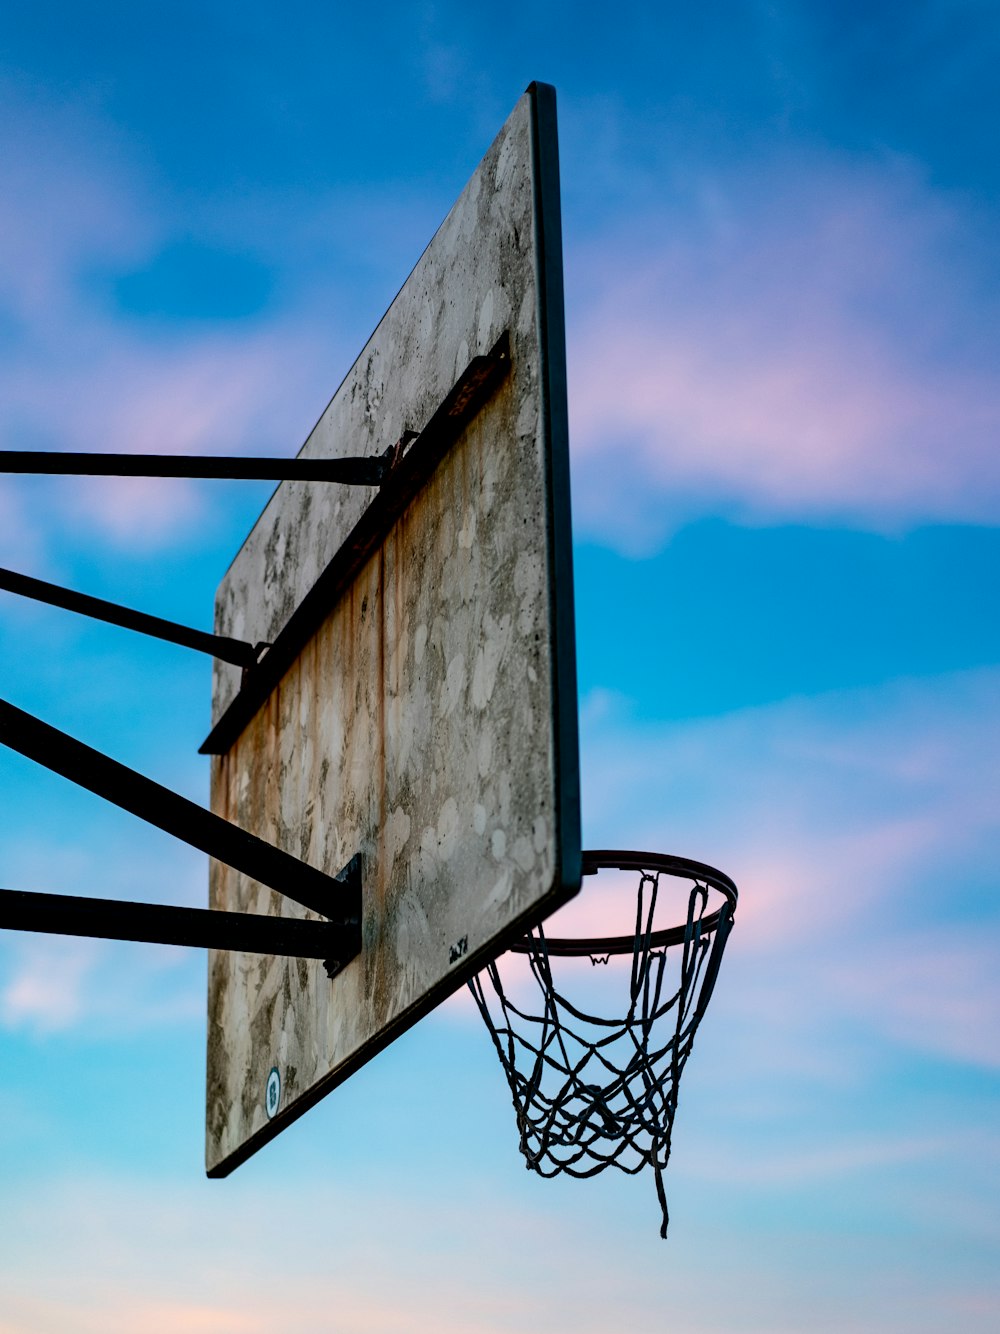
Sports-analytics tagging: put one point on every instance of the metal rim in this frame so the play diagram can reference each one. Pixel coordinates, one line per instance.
(605, 860)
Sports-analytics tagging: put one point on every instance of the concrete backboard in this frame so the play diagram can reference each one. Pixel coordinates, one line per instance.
(427, 721)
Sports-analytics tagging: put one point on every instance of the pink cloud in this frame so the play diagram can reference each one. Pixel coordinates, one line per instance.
(784, 1165)
(935, 991)
(857, 846)
(72, 197)
(76, 376)
(213, 394)
(51, 984)
(202, 1255)
(254, 392)
(214, 1259)
(43, 989)
(810, 352)
(19, 539)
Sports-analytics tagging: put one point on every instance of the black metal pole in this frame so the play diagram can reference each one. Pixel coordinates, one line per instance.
(112, 919)
(169, 811)
(235, 651)
(349, 471)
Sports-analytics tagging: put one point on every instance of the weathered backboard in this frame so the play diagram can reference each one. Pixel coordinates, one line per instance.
(421, 706)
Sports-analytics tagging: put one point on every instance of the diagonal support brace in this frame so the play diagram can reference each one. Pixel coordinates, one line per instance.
(169, 811)
(236, 651)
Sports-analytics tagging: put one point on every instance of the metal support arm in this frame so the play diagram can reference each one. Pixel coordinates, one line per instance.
(169, 811)
(370, 471)
(111, 919)
(336, 943)
(236, 651)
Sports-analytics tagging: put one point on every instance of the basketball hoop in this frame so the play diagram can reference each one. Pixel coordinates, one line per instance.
(592, 1092)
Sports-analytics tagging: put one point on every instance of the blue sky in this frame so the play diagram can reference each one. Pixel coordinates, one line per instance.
(783, 317)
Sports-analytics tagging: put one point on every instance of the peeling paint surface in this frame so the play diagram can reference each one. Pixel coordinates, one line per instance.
(416, 726)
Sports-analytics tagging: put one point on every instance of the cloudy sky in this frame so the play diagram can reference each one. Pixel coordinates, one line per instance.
(783, 318)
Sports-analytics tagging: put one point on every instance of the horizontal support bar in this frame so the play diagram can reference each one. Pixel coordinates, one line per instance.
(236, 651)
(111, 919)
(348, 471)
(410, 470)
(169, 811)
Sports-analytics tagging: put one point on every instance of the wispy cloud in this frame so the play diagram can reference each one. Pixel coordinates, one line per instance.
(202, 1259)
(792, 1164)
(53, 984)
(49, 984)
(854, 824)
(76, 373)
(211, 393)
(808, 339)
(935, 991)
(44, 988)
(74, 196)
